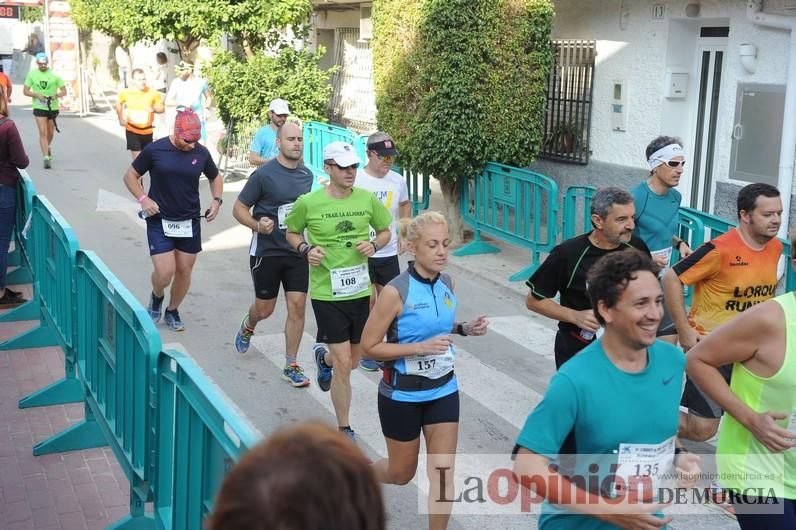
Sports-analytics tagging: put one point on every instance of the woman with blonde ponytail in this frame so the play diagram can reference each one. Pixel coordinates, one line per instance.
(419, 390)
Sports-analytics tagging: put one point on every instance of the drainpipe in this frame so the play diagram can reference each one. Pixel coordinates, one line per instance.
(788, 143)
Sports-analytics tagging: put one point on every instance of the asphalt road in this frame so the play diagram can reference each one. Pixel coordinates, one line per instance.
(502, 375)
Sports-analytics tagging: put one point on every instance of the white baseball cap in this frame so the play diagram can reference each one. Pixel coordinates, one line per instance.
(279, 106)
(342, 153)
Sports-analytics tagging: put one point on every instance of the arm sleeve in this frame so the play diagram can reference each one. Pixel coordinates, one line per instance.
(60, 82)
(703, 263)
(257, 142)
(28, 81)
(143, 162)
(550, 277)
(296, 220)
(16, 150)
(552, 420)
(253, 190)
(210, 170)
(382, 218)
(404, 194)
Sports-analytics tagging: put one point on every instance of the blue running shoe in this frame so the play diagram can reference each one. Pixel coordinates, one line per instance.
(324, 372)
(244, 335)
(154, 307)
(294, 375)
(172, 319)
(369, 364)
(348, 431)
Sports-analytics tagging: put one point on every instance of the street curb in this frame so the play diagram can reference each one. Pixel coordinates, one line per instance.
(511, 290)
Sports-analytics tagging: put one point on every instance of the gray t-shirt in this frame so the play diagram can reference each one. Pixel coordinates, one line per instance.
(272, 190)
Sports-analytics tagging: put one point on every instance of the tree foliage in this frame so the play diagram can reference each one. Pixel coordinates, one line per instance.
(460, 83)
(243, 88)
(31, 14)
(251, 22)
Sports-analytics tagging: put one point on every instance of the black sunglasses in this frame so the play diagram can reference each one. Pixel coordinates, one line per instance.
(354, 166)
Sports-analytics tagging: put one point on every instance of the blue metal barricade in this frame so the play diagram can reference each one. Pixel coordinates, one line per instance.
(199, 436)
(515, 205)
(51, 247)
(117, 346)
(317, 136)
(577, 207)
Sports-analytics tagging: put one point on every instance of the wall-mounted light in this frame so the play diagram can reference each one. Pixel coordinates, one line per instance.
(748, 53)
(692, 10)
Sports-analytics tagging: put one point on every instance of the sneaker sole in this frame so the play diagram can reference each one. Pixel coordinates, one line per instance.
(294, 384)
(368, 369)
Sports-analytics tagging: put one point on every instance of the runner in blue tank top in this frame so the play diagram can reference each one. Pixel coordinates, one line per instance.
(418, 391)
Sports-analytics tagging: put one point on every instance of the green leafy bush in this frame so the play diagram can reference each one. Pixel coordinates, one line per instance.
(243, 89)
(460, 83)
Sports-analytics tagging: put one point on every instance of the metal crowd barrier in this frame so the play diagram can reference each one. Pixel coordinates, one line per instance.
(235, 153)
(52, 246)
(577, 207)
(515, 205)
(199, 436)
(317, 135)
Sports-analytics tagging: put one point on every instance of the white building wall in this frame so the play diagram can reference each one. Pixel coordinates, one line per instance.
(633, 46)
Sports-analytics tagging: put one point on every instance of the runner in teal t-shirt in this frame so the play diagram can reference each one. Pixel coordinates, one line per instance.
(338, 220)
(620, 397)
(45, 88)
(658, 211)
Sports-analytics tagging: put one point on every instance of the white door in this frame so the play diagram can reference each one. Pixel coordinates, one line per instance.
(711, 63)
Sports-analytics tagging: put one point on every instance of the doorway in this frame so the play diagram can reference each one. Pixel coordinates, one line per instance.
(711, 59)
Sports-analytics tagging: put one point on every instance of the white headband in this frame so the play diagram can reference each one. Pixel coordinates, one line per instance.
(664, 154)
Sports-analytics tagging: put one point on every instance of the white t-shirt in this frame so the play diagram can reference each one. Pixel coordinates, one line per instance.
(188, 93)
(391, 191)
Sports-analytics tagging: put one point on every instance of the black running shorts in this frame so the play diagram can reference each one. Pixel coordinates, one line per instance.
(403, 420)
(341, 321)
(269, 271)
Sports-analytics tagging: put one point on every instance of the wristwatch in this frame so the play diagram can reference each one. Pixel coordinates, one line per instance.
(219, 199)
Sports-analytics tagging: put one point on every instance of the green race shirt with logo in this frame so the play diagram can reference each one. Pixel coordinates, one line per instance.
(44, 83)
(337, 225)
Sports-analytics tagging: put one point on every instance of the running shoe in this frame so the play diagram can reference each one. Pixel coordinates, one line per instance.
(172, 320)
(369, 364)
(9, 300)
(48, 162)
(294, 375)
(324, 372)
(12, 292)
(348, 431)
(244, 335)
(154, 307)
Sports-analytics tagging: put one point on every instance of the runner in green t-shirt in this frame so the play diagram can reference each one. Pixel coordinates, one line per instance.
(338, 220)
(44, 87)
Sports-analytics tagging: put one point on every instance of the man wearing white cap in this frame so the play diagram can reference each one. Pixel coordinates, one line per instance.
(264, 148)
(337, 219)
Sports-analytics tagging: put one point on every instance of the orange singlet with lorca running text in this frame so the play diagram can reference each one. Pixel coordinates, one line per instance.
(728, 278)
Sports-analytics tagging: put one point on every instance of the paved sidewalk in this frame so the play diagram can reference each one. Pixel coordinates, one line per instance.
(77, 490)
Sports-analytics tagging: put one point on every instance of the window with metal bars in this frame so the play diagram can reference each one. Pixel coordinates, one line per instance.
(567, 121)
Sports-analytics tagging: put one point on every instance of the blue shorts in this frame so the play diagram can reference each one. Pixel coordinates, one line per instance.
(160, 242)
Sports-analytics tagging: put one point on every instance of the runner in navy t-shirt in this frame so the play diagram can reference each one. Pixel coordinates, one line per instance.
(172, 209)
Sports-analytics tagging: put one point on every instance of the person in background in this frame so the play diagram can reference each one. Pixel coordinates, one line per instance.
(5, 84)
(45, 89)
(136, 109)
(189, 92)
(160, 74)
(12, 158)
(307, 461)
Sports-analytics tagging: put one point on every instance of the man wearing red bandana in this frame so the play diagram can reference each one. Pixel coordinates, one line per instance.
(172, 209)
